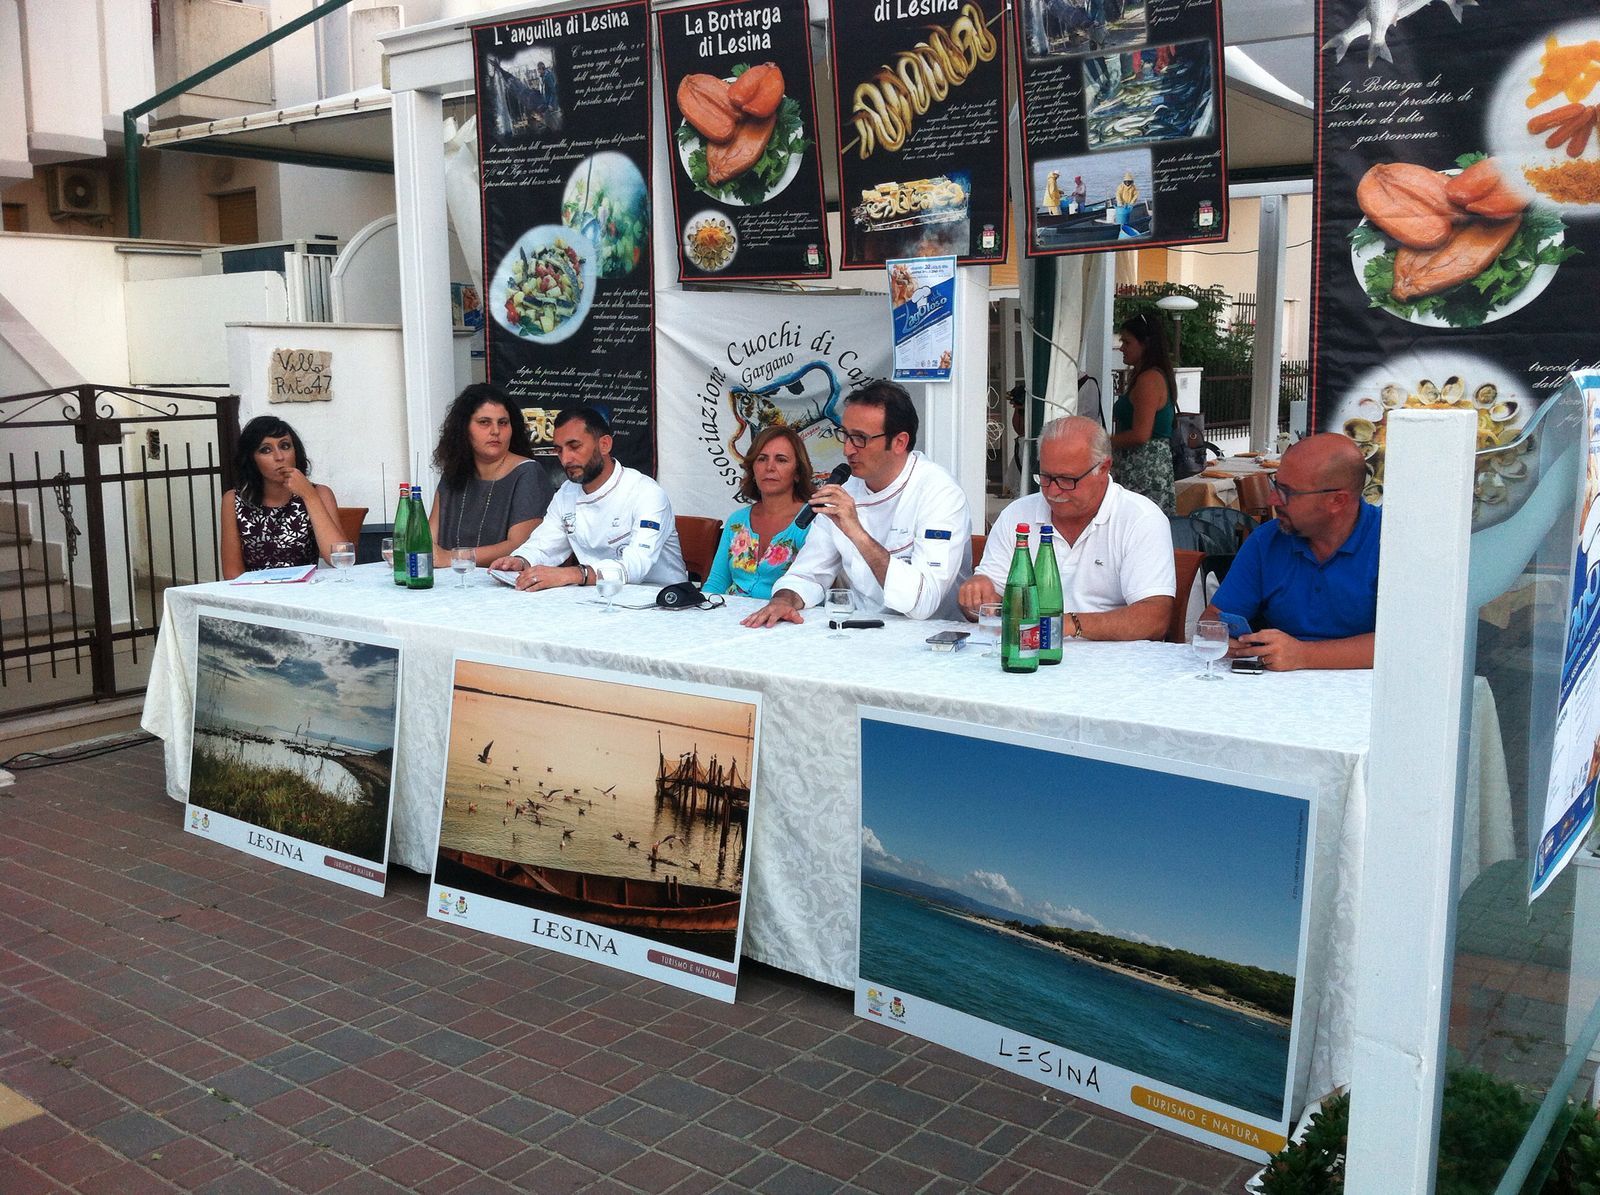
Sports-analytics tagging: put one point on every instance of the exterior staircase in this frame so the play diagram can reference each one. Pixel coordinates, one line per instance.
(38, 606)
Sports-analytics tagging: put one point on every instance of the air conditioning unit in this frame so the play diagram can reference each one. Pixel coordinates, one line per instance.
(79, 191)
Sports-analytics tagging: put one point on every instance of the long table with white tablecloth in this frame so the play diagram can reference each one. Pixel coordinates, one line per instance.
(1309, 728)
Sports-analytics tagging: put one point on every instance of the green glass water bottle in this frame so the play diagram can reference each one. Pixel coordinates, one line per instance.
(402, 520)
(1019, 618)
(419, 545)
(1047, 579)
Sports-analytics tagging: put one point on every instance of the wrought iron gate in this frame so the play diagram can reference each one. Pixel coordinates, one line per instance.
(107, 496)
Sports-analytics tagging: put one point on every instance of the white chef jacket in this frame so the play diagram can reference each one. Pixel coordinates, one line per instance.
(627, 520)
(920, 519)
(1123, 556)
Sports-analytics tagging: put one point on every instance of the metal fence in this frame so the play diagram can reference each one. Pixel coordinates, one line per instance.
(1225, 395)
(107, 496)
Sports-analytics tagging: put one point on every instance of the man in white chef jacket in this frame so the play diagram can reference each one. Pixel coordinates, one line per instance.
(898, 529)
(612, 519)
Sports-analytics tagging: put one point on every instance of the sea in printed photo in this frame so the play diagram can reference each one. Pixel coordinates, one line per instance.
(593, 798)
(1138, 916)
(958, 961)
(294, 733)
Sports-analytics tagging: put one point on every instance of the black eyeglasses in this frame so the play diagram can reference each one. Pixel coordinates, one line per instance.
(859, 439)
(1064, 482)
(1288, 492)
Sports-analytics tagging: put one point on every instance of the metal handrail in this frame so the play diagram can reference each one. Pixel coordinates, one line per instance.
(130, 129)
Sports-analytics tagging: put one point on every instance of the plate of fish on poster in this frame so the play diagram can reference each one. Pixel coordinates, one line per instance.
(746, 177)
(919, 91)
(564, 158)
(1457, 206)
(1122, 124)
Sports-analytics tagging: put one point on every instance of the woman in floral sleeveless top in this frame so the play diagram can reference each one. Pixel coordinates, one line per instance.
(276, 518)
(760, 541)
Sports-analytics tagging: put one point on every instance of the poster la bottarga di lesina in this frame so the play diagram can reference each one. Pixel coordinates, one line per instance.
(564, 142)
(1122, 124)
(746, 175)
(1457, 238)
(919, 89)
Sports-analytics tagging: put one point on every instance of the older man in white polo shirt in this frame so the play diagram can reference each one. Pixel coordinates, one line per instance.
(1114, 547)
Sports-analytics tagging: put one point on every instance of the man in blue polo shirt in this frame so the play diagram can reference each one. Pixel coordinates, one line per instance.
(1307, 582)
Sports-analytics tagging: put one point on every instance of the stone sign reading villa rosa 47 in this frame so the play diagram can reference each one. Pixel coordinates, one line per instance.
(293, 758)
(1039, 921)
(601, 815)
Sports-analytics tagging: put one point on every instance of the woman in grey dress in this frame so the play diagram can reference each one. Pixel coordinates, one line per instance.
(491, 493)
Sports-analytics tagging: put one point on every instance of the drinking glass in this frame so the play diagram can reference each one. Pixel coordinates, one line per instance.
(989, 628)
(342, 555)
(608, 584)
(463, 561)
(841, 604)
(1210, 643)
(386, 546)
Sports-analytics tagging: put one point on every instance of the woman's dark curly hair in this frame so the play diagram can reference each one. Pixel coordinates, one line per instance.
(804, 483)
(246, 473)
(452, 455)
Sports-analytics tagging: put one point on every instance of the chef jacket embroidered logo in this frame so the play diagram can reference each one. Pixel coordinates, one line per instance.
(649, 524)
(569, 522)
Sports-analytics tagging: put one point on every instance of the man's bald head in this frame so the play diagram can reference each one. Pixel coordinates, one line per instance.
(1331, 460)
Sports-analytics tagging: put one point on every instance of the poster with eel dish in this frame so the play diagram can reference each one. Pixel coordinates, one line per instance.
(1123, 128)
(564, 149)
(920, 93)
(742, 123)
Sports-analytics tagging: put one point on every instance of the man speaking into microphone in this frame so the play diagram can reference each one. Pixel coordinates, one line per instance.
(898, 528)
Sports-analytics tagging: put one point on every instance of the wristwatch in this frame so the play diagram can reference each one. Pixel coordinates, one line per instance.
(1077, 627)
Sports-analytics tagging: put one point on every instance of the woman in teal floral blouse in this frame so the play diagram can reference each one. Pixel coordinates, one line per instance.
(759, 541)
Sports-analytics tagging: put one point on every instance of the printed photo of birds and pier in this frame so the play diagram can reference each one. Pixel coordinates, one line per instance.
(614, 804)
(294, 733)
(1144, 919)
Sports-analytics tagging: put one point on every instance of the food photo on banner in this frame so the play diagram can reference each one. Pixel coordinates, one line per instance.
(1046, 929)
(746, 175)
(1123, 123)
(734, 364)
(920, 96)
(564, 167)
(600, 815)
(922, 306)
(293, 756)
(1455, 232)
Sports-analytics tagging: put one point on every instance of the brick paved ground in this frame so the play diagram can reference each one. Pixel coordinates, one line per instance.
(191, 1019)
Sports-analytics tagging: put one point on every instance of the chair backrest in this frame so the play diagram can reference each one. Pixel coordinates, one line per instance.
(1219, 530)
(698, 538)
(978, 541)
(350, 520)
(1186, 564)
(1255, 495)
(1183, 533)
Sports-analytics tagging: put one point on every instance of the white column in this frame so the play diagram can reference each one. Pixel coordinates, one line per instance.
(1272, 244)
(1405, 914)
(424, 270)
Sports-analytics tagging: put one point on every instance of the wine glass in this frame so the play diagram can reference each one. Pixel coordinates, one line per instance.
(463, 561)
(989, 627)
(1210, 643)
(342, 555)
(608, 584)
(841, 604)
(386, 546)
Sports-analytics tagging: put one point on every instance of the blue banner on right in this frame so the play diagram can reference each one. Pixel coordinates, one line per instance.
(1575, 752)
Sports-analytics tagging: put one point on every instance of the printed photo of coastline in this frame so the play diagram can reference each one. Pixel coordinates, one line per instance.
(617, 806)
(294, 735)
(1148, 920)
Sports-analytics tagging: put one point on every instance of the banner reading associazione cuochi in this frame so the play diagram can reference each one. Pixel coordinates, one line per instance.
(1123, 127)
(920, 98)
(746, 173)
(564, 145)
(1043, 927)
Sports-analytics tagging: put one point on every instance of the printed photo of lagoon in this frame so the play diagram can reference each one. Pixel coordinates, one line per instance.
(294, 733)
(1142, 918)
(620, 805)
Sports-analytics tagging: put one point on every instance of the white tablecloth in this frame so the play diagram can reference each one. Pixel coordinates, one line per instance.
(1307, 728)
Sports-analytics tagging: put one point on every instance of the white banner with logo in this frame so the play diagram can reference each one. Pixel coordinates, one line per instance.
(922, 299)
(732, 364)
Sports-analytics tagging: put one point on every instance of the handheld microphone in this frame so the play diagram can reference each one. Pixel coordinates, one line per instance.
(840, 475)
